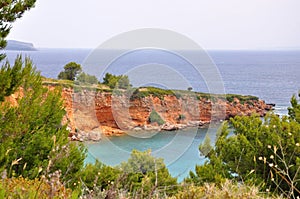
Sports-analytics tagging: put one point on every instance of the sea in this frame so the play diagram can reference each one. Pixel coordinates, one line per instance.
(273, 76)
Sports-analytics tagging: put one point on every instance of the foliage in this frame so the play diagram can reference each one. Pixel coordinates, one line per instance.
(181, 117)
(146, 175)
(116, 81)
(155, 117)
(294, 111)
(99, 175)
(86, 78)
(9, 12)
(37, 188)
(205, 147)
(264, 152)
(33, 141)
(241, 98)
(227, 190)
(212, 171)
(11, 78)
(155, 92)
(71, 70)
(142, 176)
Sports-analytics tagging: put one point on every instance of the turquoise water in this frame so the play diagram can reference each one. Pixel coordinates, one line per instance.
(179, 149)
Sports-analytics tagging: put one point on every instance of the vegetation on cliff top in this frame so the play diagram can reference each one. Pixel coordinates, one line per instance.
(73, 71)
(139, 93)
(120, 85)
(70, 72)
(116, 81)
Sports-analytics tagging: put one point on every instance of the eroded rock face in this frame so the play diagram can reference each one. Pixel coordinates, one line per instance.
(90, 111)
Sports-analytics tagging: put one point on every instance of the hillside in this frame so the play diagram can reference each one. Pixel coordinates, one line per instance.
(18, 45)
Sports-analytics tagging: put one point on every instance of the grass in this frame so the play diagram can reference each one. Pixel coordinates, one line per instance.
(37, 188)
(147, 91)
(75, 85)
(242, 98)
(227, 190)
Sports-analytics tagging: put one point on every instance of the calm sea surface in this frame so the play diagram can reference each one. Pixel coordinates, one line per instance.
(273, 76)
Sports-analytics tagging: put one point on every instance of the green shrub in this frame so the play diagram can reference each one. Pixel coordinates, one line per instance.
(155, 117)
(116, 81)
(84, 78)
(99, 175)
(181, 117)
(229, 98)
(155, 92)
(242, 98)
(145, 175)
(294, 111)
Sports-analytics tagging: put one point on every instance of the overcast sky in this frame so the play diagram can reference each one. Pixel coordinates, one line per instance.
(213, 24)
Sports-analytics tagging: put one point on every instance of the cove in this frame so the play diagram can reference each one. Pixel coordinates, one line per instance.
(179, 149)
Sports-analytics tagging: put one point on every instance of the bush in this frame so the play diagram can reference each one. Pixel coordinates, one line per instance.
(99, 175)
(155, 92)
(242, 98)
(155, 117)
(86, 78)
(145, 175)
(116, 81)
(142, 176)
(294, 111)
(228, 190)
(31, 189)
(181, 117)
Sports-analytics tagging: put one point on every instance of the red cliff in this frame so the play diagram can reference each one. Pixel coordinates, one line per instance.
(92, 112)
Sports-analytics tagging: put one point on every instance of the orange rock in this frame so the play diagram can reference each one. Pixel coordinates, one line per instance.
(89, 110)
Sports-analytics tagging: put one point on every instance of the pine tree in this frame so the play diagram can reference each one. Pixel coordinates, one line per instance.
(71, 70)
(32, 140)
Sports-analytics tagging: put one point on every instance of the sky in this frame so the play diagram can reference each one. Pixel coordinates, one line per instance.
(213, 24)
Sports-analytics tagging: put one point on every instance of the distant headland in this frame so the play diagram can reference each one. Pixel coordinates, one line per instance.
(19, 45)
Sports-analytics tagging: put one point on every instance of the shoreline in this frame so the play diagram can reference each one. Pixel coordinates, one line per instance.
(96, 135)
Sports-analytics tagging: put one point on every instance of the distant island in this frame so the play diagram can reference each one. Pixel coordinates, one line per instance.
(19, 45)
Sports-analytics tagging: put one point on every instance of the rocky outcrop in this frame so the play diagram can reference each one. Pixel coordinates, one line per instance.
(19, 45)
(90, 113)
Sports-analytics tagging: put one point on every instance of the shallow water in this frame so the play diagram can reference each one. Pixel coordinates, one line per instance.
(179, 149)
